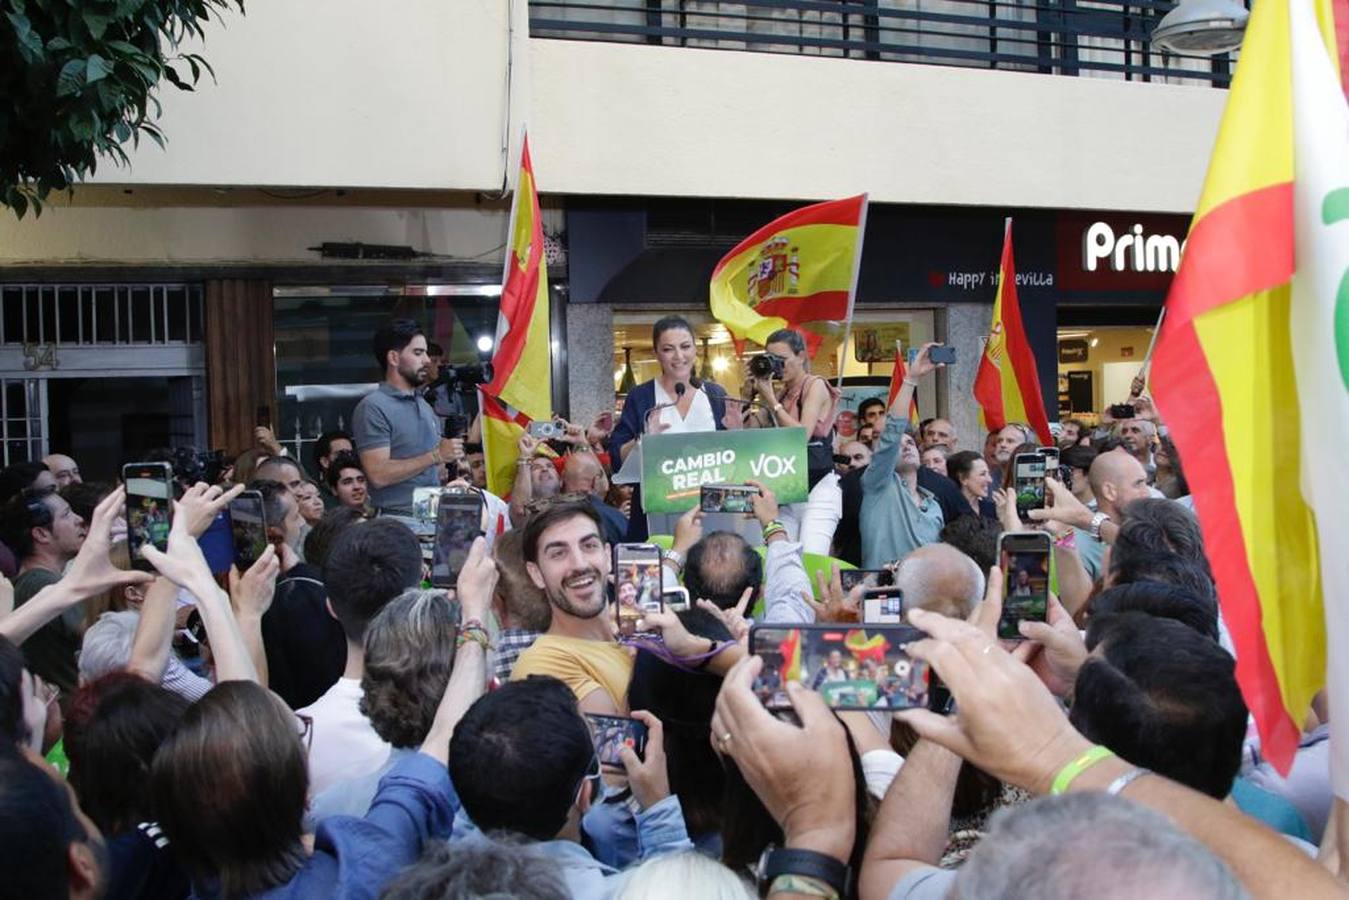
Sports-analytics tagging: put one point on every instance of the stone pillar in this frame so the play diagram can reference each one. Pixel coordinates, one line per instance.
(590, 360)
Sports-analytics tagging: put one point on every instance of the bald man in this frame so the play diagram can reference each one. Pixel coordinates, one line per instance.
(582, 473)
(939, 578)
(64, 468)
(1117, 479)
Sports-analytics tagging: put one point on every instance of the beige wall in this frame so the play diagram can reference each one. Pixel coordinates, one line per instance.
(646, 120)
(333, 93)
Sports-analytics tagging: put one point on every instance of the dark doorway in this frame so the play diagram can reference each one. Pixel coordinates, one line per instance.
(104, 422)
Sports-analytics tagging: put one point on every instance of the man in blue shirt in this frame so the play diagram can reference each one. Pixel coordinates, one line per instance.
(898, 516)
(523, 761)
(397, 433)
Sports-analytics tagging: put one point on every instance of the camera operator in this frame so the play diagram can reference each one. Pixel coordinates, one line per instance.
(397, 435)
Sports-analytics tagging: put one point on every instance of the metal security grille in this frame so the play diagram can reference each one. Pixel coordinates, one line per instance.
(100, 314)
(23, 416)
(1088, 38)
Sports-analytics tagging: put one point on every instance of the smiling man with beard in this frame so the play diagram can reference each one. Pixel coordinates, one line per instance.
(566, 556)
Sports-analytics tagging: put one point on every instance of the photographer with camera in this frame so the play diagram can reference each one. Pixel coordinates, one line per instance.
(397, 435)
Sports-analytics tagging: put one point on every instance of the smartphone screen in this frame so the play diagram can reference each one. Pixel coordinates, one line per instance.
(458, 522)
(1051, 455)
(867, 578)
(612, 733)
(727, 498)
(852, 668)
(426, 503)
(883, 606)
(263, 416)
(1028, 474)
(248, 525)
(149, 507)
(1025, 570)
(637, 584)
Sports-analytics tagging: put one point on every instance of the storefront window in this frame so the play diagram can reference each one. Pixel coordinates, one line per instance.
(1096, 367)
(324, 362)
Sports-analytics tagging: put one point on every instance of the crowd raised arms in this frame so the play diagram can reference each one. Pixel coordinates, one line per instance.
(413, 666)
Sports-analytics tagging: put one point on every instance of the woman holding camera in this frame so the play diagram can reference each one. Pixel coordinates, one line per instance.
(806, 401)
(675, 401)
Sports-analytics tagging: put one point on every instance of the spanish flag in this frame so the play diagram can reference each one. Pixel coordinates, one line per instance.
(1255, 419)
(801, 267)
(790, 648)
(521, 387)
(864, 647)
(1007, 385)
(897, 376)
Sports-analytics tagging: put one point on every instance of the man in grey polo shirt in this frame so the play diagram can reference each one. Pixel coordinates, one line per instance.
(397, 434)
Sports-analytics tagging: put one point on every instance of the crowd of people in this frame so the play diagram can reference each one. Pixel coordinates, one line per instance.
(324, 724)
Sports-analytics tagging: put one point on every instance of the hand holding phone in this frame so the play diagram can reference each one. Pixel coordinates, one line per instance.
(942, 353)
(458, 523)
(638, 584)
(852, 668)
(612, 733)
(1028, 474)
(248, 528)
(736, 499)
(1025, 576)
(149, 508)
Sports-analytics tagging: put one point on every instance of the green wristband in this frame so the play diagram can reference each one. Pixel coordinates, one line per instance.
(1068, 774)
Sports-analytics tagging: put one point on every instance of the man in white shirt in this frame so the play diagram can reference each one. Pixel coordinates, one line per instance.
(368, 565)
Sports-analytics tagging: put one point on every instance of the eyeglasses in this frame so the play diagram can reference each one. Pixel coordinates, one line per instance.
(593, 774)
(306, 730)
(45, 693)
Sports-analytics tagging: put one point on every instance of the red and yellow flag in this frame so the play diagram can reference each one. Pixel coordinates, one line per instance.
(897, 375)
(864, 647)
(1223, 375)
(790, 648)
(522, 364)
(1007, 385)
(801, 267)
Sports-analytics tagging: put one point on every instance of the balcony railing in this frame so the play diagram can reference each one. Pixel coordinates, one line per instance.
(1087, 38)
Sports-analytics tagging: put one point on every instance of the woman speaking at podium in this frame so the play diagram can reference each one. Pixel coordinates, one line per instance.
(674, 402)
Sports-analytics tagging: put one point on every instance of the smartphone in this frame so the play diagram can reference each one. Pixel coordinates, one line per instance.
(458, 522)
(852, 668)
(883, 606)
(545, 431)
(1025, 577)
(1028, 481)
(149, 508)
(612, 734)
(943, 353)
(1051, 455)
(1122, 411)
(675, 598)
(263, 416)
(867, 578)
(637, 584)
(426, 503)
(727, 498)
(248, 525)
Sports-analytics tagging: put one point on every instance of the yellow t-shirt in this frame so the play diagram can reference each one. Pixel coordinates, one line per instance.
(580, 664)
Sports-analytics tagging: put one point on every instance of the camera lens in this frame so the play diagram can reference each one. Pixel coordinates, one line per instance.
(761, 366)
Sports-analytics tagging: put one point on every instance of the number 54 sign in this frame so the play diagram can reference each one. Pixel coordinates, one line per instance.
(37, 357)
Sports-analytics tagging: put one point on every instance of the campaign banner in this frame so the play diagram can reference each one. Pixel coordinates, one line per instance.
(676, 466)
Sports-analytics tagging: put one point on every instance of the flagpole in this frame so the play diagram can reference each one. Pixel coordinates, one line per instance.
(1147, 360)
(852, 290)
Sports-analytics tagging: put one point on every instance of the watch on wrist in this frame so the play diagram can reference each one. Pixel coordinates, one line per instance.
(1096, 522)
(777, 861)
(674, 556)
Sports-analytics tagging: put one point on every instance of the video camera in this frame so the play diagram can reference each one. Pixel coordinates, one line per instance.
(454, 394)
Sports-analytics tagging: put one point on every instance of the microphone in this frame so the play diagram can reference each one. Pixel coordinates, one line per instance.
(680, 389)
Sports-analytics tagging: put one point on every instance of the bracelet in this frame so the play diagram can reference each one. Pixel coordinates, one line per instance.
(773, 528)
(436, 457)
(1068, 541)
(473, 630)
(1126, 779)
(802, 884)
(674, 556)
(1068, 774)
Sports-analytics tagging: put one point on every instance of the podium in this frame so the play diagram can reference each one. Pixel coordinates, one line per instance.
(672, 468)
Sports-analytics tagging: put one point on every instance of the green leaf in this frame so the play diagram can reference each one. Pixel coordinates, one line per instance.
(30, 42)
(96, 69)
(121, 131)
(124, 48)
(97, 24)
(176, 80)
(17, 202)
(57, 44)
(71, 78)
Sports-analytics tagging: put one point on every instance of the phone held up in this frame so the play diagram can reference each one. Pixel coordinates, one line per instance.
(149, 508)
(737, 499)
(942, 353)
(248, 529)
(637, 584)
(612, 733)
(1028, 482)
(458, 523)
(1123, 411)
(1024, 558)
(852, 668)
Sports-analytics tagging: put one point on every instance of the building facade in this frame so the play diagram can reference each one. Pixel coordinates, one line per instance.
(348, 165)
